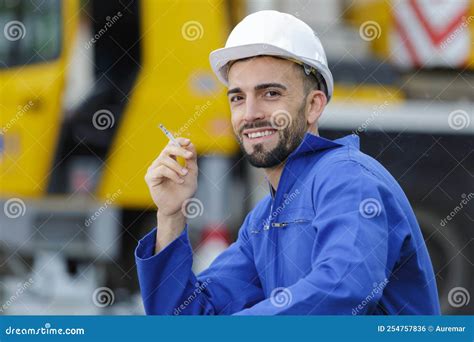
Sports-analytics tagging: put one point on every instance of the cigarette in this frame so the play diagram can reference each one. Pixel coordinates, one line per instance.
(169, 135)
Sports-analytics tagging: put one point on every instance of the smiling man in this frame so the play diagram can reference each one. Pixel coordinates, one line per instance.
(336, 234)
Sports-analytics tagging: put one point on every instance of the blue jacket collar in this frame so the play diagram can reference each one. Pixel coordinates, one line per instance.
(312, 143)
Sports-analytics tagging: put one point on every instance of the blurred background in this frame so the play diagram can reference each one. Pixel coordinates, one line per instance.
(84, 85)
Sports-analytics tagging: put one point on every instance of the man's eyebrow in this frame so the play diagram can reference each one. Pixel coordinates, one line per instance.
(269, 85)
(233, 91)
(258, 87)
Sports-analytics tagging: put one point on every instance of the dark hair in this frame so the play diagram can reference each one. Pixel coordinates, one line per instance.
(312, 81)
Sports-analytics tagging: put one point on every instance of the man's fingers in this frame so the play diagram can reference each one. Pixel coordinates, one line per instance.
(177, 151)
(191, 163)
(173, 165)
(163, 171)
(171, 151)
(183, 141)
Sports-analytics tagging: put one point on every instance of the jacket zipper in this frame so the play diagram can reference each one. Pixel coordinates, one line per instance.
(275, 232)
(284, 224)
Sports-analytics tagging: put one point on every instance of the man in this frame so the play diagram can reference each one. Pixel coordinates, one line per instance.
(336, 234)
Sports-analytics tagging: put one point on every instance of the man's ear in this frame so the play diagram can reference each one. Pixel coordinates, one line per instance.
(316, 102)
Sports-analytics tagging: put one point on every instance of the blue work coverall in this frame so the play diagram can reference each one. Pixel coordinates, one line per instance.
(338, 236)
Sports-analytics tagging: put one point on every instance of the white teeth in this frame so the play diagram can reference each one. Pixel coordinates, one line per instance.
(259, 134)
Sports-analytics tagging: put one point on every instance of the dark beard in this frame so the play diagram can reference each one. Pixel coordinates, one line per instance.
(289, 139)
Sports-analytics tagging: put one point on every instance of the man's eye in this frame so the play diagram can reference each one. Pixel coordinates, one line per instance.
(271, 93)
(235, 98)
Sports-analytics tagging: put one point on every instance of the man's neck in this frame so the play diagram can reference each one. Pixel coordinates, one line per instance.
(273, 175)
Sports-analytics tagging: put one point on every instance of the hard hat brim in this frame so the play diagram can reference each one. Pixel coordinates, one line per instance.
(220, 58)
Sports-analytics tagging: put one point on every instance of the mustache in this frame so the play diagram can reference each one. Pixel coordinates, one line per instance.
(258, 124)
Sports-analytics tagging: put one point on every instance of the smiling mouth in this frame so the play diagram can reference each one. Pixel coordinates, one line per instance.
(260, 134)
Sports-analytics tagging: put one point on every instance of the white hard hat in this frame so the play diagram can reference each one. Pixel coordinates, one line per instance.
(275, 34)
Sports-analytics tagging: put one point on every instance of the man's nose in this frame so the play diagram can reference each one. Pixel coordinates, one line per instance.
(252, 111)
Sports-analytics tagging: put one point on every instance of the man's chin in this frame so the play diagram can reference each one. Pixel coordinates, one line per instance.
(266, 154)
(257, 161)
(264, 147)
(263, 159)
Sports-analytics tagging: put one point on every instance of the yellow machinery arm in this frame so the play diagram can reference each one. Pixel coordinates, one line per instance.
(176, 87)
(31, 93)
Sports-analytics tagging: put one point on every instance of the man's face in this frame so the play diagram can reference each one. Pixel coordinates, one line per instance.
(268, 106)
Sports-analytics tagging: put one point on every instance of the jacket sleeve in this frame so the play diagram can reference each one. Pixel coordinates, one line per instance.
(169, 287)
(349, 265)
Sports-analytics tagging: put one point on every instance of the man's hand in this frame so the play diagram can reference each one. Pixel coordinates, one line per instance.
(170, 185)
